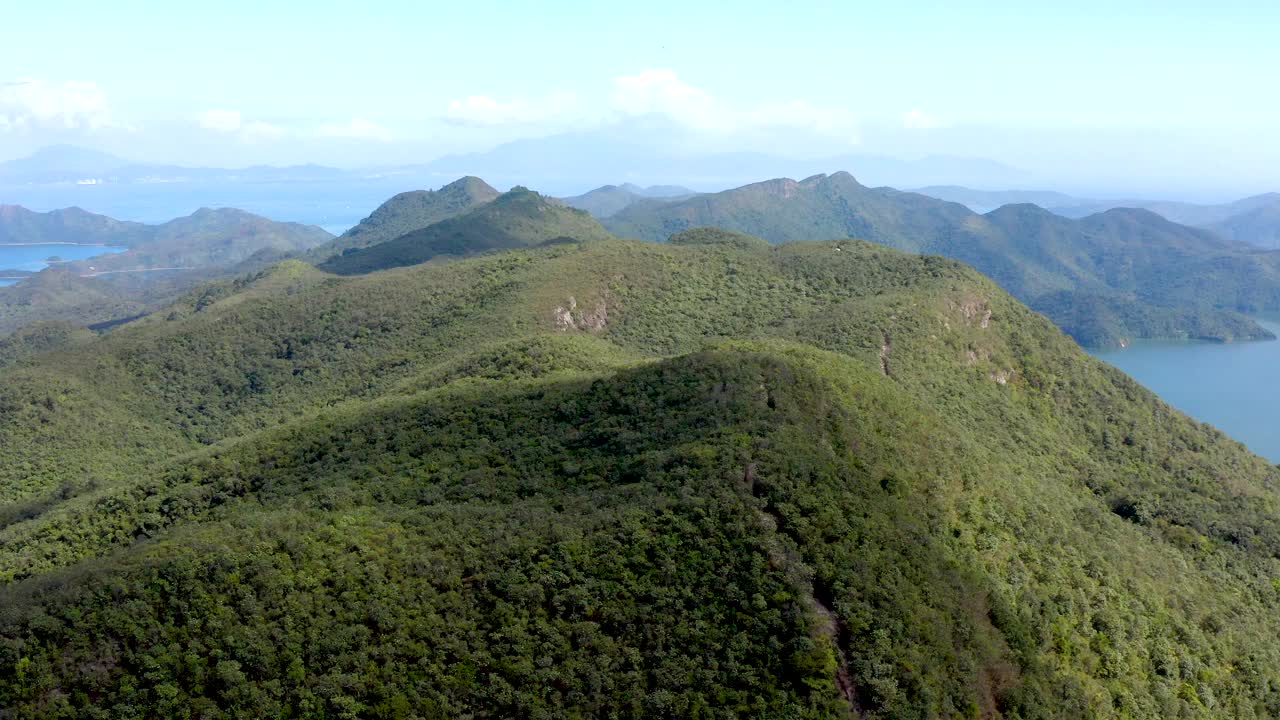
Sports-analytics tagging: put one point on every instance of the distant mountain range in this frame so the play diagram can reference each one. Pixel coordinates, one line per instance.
(1254, 220)
(609, 199)
(1105, 278)
(648, 151)
(67, 164)
(1142, 275)
(637, 152)
(160, 261)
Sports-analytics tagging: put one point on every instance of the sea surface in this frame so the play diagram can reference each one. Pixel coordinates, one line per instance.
(1232, 386)
(36, 257)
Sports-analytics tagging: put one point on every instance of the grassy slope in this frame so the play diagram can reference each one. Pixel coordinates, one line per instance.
(762, 481)
(1159, 279)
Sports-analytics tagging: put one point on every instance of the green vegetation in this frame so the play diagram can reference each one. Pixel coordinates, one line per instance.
(711, 478)
(208, 239)
(519, 218)
(108, 288)
(19, 225)
(407, 212)
(1152, 277)
(609, 200)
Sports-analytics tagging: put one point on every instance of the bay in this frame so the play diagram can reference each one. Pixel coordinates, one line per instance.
(1232, 386)
(36, 257)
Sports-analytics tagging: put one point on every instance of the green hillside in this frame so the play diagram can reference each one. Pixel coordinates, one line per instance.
(518, 218)
(711, 478)
(208, 238)
(407, 212)
(1158, 278)
(161, 262)
(19, 225)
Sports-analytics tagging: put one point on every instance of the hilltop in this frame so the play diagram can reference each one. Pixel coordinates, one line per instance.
(518, 218)
(610, 199)
(712, 477)
(1156, 278)
(410, 211)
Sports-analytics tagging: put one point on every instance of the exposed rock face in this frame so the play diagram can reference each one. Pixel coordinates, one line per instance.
(570, 317)
(974, 312)
(1002, 377)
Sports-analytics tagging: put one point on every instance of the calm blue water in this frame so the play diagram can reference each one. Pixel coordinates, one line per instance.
(35, 257)
(1232, 386)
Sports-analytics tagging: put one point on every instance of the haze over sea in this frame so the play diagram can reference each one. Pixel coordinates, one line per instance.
(1232, 386)
(334, 206)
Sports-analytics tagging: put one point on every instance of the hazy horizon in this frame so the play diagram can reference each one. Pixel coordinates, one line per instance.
(1157, 100)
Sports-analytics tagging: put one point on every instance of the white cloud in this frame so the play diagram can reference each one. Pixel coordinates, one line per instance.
(917, 120)
(663, 92)
(485, 111)
(34, 104)
(653, 91)
(232, 122)
(357, 128)
(257, 131)
(220, 120)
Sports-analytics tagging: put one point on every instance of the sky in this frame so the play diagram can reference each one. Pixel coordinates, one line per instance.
(1174, 95)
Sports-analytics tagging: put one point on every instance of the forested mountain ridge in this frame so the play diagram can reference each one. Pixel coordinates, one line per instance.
(1146, 274)
(209, 238)
(517, 218)
(407, 212)
(20, 226)
(1254, 220)
(709, 478)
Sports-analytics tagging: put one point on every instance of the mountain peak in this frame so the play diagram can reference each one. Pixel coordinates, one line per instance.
(472, 185)
(517, 218)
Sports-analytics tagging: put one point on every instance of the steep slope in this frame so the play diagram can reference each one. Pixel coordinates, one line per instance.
(608, 200)
(518, 218)
(709, 478)
(1148, 270)
(407, 212)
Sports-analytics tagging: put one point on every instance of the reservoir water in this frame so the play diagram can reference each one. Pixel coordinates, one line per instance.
(1232, 386)
(36, 257)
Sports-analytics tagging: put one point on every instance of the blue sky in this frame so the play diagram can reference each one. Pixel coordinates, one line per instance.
(1136, 92)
